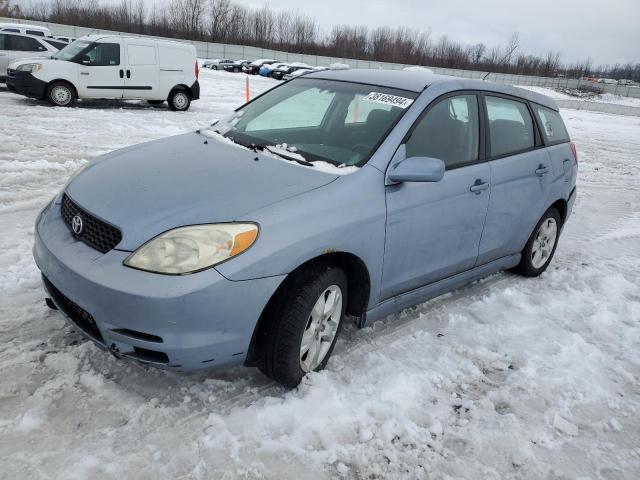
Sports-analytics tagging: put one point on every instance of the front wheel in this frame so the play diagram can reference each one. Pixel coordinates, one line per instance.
(179, 100)
(61, 94)
(539, 250)
(305, 328)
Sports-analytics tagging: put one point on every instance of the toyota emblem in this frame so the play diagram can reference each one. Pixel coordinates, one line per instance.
(76, 225)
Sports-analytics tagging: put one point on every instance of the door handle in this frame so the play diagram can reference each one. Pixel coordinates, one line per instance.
(128, 73)
(542, 170)
(479, 186)
(121, 73)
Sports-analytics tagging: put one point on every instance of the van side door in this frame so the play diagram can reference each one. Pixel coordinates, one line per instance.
(521, 173)
(434, 229)
(100, 71)
(141, 79)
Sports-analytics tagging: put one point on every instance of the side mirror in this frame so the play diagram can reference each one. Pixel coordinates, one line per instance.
(417, 169)
(85, 60)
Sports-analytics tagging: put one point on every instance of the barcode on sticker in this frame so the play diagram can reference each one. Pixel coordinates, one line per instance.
(387, 99)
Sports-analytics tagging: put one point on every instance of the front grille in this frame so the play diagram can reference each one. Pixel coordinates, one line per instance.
(11, 72)
(78, 315)
(94, 232)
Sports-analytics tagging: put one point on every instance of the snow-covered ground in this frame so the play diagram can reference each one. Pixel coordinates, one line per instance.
(599, 98)
(507, 378)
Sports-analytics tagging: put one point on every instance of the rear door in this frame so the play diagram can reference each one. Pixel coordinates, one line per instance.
(434, 229)
(141, 79)
(521, 173)
(101, 73)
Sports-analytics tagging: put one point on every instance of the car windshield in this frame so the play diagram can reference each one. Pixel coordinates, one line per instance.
(69, 52)
(320, 120)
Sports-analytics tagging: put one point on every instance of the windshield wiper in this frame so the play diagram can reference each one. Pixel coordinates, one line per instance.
(294, 157)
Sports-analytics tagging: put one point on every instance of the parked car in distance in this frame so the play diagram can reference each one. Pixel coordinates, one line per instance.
(254, 66)
(266, 69)
(14, 46)
(217, 64)
(65, 39)
(377, 199)
(112, 67)
(236, 66)
(279, 72)
(297, 73)
(26, 29)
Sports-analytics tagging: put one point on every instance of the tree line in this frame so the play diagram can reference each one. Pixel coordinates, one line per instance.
(224, 21)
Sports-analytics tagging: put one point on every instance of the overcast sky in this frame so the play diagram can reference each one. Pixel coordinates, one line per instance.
(607, 31)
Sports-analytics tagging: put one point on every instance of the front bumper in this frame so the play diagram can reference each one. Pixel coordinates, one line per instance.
(182, 323)
(25, 84)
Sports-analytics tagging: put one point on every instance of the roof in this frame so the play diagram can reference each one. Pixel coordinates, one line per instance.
(94, 37)
(417, 81)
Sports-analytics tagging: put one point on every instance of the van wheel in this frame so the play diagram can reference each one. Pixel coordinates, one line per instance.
(305, 327)
(61, 94)
(179, 100)
(539, 250)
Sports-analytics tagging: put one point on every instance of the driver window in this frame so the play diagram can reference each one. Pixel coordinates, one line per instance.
(104, 54)
(449, 131)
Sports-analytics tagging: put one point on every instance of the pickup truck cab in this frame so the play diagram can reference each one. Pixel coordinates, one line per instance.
(112, 67)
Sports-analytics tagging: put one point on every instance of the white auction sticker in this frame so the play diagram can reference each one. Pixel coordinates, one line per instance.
(387, 99)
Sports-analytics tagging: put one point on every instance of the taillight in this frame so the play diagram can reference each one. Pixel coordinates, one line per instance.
(575, 152)
(197, 70)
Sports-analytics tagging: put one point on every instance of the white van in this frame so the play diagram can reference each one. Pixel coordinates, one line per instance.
(36, 30)
(112, 66)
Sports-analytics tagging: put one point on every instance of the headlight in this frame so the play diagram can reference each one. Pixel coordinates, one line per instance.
(29, 67)
(193, 248)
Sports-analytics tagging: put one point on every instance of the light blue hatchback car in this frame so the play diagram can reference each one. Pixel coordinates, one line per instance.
(340, 192)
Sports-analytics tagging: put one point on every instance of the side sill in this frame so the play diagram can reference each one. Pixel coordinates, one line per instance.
(427, 292)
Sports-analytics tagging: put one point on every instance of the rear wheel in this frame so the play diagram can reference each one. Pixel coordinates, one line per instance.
(305, 327)
(61, 94)
(179, 100)
(539, 250)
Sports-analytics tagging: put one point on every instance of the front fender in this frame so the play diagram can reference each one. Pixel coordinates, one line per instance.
(347, 215)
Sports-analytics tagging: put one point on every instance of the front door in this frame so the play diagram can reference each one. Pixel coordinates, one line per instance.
(100, 72)
(141, 79)
(434, 229)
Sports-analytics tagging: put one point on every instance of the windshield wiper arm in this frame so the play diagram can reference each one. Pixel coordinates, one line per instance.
(294, 157)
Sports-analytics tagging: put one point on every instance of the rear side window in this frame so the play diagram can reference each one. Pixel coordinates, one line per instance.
(510, 126)
(35, 32)
(553, 129)
(449, 131)
(104, 54)
(24, 44)
(141, 55)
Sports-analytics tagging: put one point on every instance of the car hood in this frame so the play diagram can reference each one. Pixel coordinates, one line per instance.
(190, 179)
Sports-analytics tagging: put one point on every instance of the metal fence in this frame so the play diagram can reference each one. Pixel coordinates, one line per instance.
(220, 50)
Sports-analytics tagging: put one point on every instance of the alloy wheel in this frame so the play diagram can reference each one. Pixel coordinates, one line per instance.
(544, 242)
(321, 328)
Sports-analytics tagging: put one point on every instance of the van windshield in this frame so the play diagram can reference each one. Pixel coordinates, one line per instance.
(320, 120)
(71, 51)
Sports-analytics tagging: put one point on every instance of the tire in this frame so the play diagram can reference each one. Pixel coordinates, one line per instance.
(214, 68)
(298, 318)
(541, 246)
(179, 100)
(155, 102)
(60, 94)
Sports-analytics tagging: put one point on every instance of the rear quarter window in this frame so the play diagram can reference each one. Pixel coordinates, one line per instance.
(553, 129)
